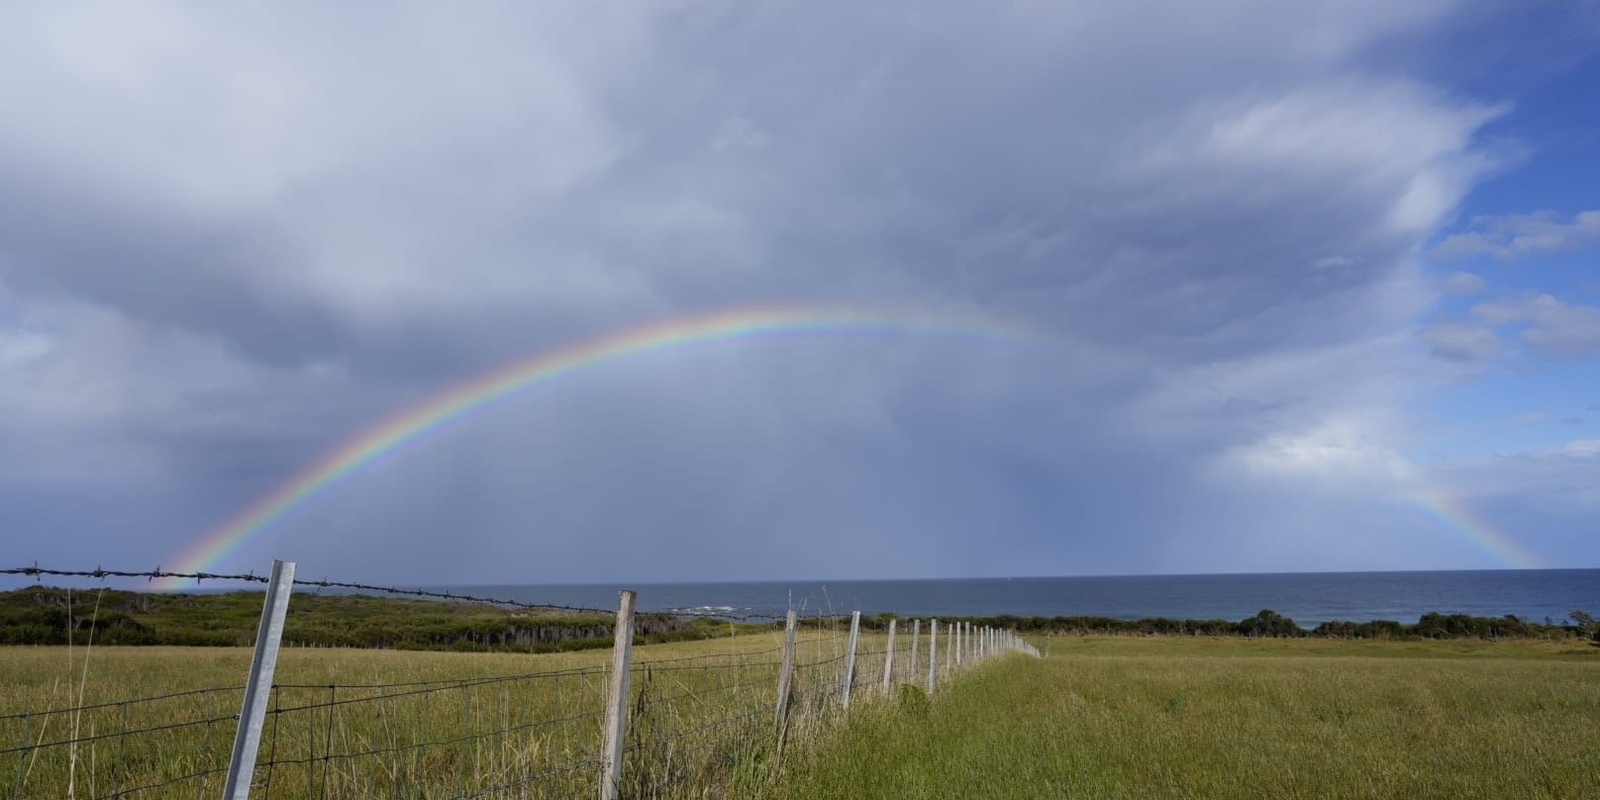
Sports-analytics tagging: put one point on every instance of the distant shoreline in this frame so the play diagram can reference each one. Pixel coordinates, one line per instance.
(43, 615)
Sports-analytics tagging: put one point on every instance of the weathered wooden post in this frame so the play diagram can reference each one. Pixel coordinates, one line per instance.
(916, 633)
(888, 660)
(617, 700)
(785, 676)
(933, 653)
(850, 660)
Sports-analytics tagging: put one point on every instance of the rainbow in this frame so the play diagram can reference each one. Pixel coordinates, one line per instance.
(413, 422)
(1457, 515)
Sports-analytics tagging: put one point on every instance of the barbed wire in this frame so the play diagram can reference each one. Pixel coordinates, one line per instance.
(98, 573)
(502, 732)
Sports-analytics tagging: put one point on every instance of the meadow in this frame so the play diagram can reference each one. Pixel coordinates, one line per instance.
(1188, 717)
(1097, 717)
(346, 723)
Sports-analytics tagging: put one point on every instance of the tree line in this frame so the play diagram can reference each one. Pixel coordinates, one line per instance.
(1268, 623)
(44, 615)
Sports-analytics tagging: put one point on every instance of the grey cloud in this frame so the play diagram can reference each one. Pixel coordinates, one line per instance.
(1460, 341)
(1572, 420)
(1518, 235)
(703, 230)
(1563, 330)
(1499, 312)
(356, 227)
(1554, 327)
(1462, 284)
(1560, 482)
(191, 274)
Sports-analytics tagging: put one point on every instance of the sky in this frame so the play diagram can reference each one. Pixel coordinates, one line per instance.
(1225, 287)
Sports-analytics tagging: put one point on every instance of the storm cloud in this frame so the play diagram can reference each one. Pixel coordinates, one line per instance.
(231, 239)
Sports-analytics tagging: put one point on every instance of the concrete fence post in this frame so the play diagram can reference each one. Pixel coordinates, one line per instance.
(617, 699)
(264, 661)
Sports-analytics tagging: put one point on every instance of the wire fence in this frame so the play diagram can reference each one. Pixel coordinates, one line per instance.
(700, 718)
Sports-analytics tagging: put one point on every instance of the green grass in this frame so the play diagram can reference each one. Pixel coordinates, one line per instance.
(1099, 717)
(356, 723)
(1121, 717)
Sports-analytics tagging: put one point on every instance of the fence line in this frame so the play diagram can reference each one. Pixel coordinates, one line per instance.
(36, 571)
(678, 725)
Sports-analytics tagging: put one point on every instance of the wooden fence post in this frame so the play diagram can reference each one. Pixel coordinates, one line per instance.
(933, 653)
(617, 700)
(850, 660)
(955, 646)
(888, 661)
(911, 667)
(785, 678)
(950, 642)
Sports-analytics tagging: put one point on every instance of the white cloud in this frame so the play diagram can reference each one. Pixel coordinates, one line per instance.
(1352, 450)
(1517, 235)
(20, 347)
(1338, 126)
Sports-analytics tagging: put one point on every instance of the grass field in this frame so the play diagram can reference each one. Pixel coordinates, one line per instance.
(1123, 717)
(363, 723)
(1098, 717)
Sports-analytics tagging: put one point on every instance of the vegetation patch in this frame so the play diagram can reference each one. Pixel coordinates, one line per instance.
(42, 615)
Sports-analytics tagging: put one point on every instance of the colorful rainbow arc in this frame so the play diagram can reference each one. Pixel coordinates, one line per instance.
(1458, 516)
(415, 421)
(460, 400)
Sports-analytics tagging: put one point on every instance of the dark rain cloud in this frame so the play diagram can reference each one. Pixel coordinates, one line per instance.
(1209, 214)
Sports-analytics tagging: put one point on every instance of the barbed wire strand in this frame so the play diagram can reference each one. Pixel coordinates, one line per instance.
(735, 687)
(36, 571)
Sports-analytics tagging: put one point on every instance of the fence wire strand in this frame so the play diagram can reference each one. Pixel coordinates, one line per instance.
(692, 720)
(35, 571)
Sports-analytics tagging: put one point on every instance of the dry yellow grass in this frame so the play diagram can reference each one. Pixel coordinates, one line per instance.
(359, 723)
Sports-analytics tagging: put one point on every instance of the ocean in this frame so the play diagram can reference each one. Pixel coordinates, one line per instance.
(1307, 598)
